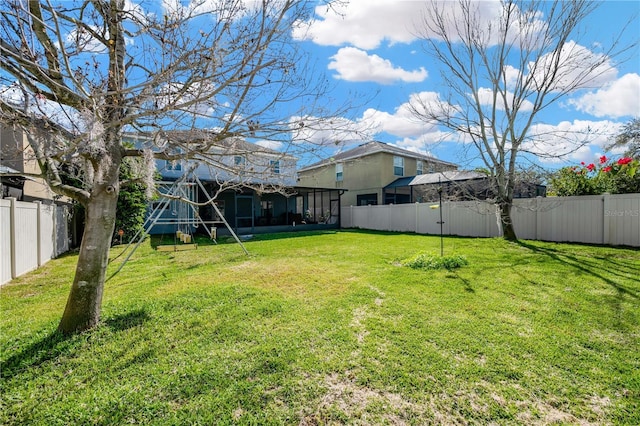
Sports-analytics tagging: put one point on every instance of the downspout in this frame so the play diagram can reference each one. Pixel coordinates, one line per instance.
(340, 193)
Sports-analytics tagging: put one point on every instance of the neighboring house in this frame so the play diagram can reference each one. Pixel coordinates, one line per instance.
(457, 185)
(16, 156)
(254, 188)
(365, 171)
(19, 179)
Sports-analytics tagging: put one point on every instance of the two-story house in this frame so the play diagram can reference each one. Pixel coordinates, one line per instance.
(254, 189)
(366, 170)
(17, 157)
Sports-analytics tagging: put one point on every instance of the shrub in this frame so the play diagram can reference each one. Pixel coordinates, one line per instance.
(614, 177)
(427, 261)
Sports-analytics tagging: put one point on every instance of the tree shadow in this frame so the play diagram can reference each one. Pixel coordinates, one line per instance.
(57, 344)
(127, 320)
(467, 284)
(46, 349)
(593, 269)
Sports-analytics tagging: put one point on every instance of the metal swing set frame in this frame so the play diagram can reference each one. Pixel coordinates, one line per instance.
(186, 216)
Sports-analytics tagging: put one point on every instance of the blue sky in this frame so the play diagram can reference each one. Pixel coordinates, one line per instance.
(369, 47)
(369, 52)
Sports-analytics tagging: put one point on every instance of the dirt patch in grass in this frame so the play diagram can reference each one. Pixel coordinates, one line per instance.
(346, 399)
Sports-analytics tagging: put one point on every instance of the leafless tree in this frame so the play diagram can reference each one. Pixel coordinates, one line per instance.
(501, 73)
(76, 75)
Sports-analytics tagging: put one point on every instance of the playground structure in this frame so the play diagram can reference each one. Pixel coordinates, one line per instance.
(181, 201)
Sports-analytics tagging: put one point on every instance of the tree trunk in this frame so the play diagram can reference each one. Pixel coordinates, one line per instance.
(85, 299)
(505, 222)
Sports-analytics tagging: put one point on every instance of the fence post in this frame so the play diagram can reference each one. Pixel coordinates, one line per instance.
(606, 212)
(39, 233)
(12, 238)
(538, 218)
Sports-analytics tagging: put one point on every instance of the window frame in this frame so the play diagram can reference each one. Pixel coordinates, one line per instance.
(339, 172)
(274, 166)
(398, 165)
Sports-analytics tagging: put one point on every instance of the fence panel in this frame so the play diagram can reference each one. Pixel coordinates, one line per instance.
(428, 218)
(26, 242)
(599, 219)
(5, 241)
(402, 218)
(30, 235)
(47, 247)
(623, 216)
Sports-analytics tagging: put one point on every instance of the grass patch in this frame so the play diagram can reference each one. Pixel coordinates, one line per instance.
(323, 328)
(429, 261)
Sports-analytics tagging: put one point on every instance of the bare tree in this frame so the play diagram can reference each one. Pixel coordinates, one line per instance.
(501, 73)
(76, 75)
(629, 138)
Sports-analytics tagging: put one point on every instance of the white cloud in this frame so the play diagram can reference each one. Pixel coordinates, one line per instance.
(578, 140)
(65, 116)
(485, 95)
(334, 132)
(275, 145)
(400, 123)
(620, 98)
(356, 65)
(136, 12)
(79, 40)
(512, 75)
(580, 68)
(364, 24)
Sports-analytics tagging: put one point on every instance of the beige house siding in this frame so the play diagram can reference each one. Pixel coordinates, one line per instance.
(368, 174)
(16, 153)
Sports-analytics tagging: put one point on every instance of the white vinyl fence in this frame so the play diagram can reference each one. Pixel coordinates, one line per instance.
(596, 219)
(30, 235)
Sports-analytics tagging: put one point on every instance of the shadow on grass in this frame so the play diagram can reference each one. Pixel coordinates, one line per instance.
(594, 269)
(57, 344)
(128, 320)
(36, 354)
(467, 284)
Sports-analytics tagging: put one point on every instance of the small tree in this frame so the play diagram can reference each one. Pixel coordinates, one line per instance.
(132, 201)
(501, 74)
(75, 75)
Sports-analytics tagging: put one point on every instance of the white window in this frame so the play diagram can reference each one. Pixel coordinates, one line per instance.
(419, 167)
(398, 166)
(275, 166)
(339, 172)
(239, 161)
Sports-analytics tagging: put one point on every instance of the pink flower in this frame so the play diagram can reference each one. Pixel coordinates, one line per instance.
(606, 169)
(591, 167)
(625, 160)
(603, 159)
(582, 162)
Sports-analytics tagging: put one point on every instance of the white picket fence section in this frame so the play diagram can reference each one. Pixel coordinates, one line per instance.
(598, 219)
(30, 235)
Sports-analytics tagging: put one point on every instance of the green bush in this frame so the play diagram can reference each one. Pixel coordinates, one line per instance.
(428, 261)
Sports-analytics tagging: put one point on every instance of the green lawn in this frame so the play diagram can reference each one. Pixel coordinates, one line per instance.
(328, 328)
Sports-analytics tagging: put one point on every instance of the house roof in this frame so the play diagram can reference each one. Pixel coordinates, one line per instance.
(209, 139)
(370, 148)
(438, 177)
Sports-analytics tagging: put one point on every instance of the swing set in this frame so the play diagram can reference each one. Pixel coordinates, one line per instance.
(180, 200)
